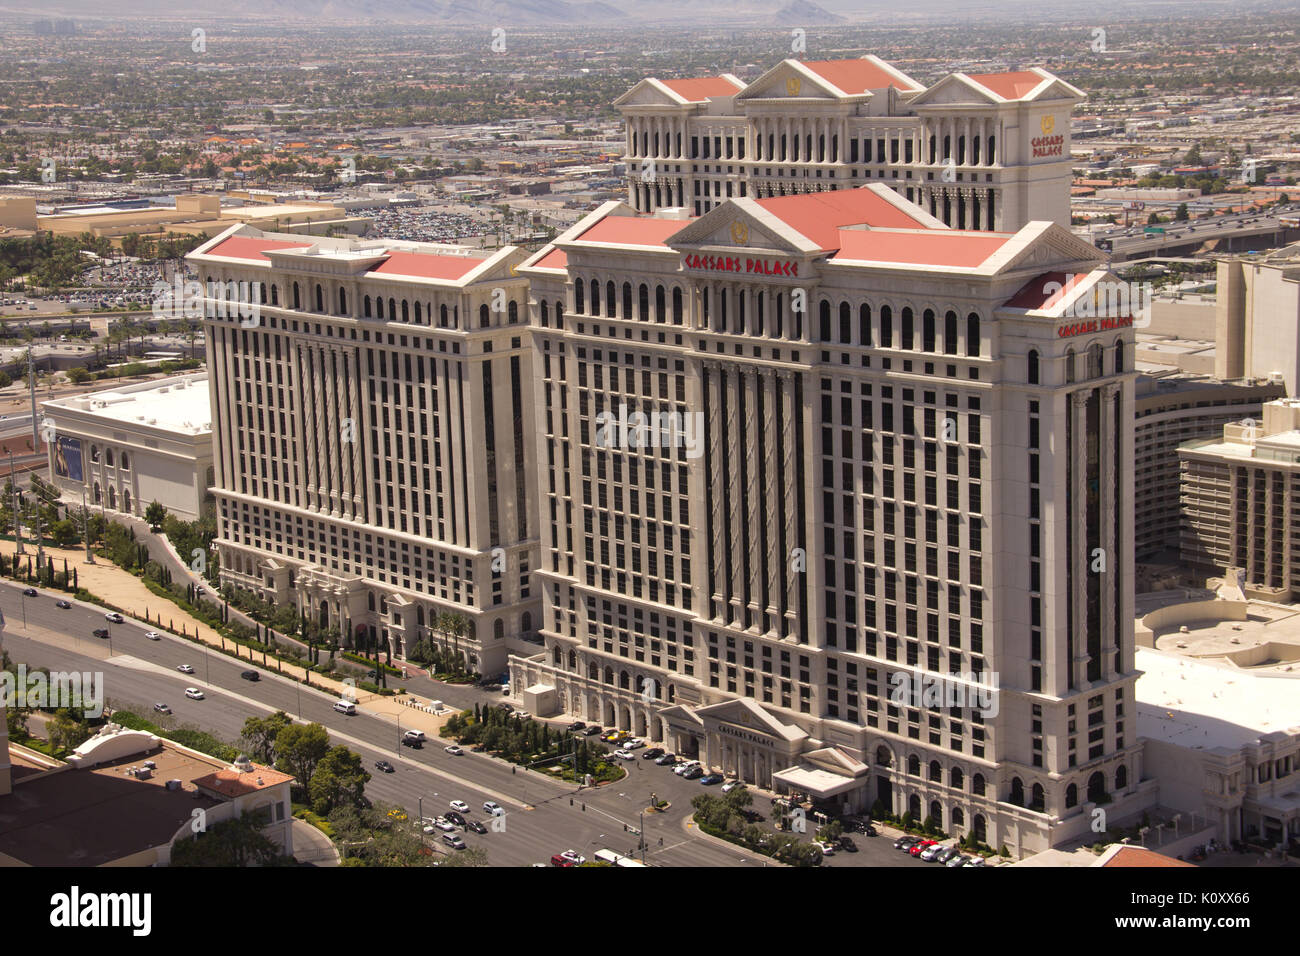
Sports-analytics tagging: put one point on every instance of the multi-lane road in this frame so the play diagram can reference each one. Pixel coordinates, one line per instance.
(543, 816)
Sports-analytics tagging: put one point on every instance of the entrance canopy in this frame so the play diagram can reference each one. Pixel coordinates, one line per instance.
(819, 783)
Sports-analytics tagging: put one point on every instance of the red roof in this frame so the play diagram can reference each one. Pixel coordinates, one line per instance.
(248, 247)
(555, 259)
(1136, 856)
(857, 76)
(1034, 296)
(424, 266)
(1010, 86)
(934, 247)
(700, 88)
(634, 230)
(819, 216)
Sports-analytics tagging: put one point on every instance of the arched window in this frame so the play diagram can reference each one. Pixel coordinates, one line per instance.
(112, 497)
(126, 462)
(661, 304)
(343, 301)
(950, 333)
(546, 314)
(677, 306)
(1032, 361)
(512, 312)
(595, 297)
(498, 629)
(275, 295)
(972, 335)
(559, 314)
(442, 316)
(824, 318)
(94, 453)
(927, 330)
(906, 332)
(643, 302)
(1017, 796)
(864, 324)
(1069, 365)
(609, 299)
(1037, 798)
(1097, 788)
(977, 784)
(1094, 360)
(627, 300)
(297, 302)
(320, 298)
(365, 307)
(126, 502)
(593, 672)
(1071, 795)
(406, 311)
(108, 457)
(936, 772)
(1119, 356)
(913, 765)
(484, 317)
(579, 294)
(846, 324)
(526, 622)
(379, 307)
(886, 327)
(624, 682)
(419, 313)
(955, 779)
(1121, 777)
(883, 757)
(392, 308)
(97, 493)
(958, 818)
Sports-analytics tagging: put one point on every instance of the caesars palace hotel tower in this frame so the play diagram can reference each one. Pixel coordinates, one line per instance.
(837, 499)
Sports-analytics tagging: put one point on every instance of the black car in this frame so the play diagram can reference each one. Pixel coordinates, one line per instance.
(101, 633)
(384, 765)
(591, 731)
(63, 605)
(475, 826)
(30, 592)
(847, 845)
(453, 817)
(906, 842)
(250, 675)
(413, 742)
(575, 726)
(653, 753)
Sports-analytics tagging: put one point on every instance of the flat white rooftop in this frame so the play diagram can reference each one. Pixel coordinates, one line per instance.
(179, 404)
(1201, 705)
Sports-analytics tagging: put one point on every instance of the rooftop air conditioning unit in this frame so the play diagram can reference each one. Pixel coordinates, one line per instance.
(173, 784)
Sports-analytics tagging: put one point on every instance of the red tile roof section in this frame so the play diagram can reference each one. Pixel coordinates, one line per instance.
(634, 230)
(856, 76)
(700, 88)
(819, 216)
(1009, 86)
(1136, 856)
(421, 266)
(1033, 295)
(555, 259)
(935, 247)
(251, 248)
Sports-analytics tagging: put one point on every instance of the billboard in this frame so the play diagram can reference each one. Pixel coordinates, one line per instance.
(67, 458)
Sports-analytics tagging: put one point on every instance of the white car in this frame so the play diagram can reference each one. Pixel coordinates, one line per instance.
(454, 750)
(460, 806)
(494, 808)
(185, 668)
(114, 617)
(624, 754)
(930, 852)
(574, 857)
(681, 768)
(731, 785)
(152, 636)
(193, 693)
(445, 825)
(828, 849)
(633, 744)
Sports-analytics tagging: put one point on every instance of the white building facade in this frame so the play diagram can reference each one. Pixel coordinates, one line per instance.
(901, 452)
(984, 151)
(371, 461)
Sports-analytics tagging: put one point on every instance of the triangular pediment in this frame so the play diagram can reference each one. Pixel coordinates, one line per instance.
(790, 79)
(1045, 246)
(742, 225)
(956, 88)
(649, 92)
(746, 714)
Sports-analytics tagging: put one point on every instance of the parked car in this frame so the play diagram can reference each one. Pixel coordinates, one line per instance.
(110, 616)
(250, 675)
(652, 753)
(906, 842)
(185, 668)
(957, 859)
(976, 861)
(522, 714)
(30, 592)
(574, 857)
(846, 844)
(558, 860)
(681, 768)
(922, 847)
(710, 779)
(62, 605)
(193, 693)
(492, 807)
(624, 754)
(162, 708)
(667, 760)
(694, 773)
(475, 826)
(384, 766)
(454, 750)
(453, 840)
(731, 785)
(442, 823)
(575, 726)
(460, 805)
(455, 818)
(947, 854)
(152, 636)
(592, 731)
(828, 849)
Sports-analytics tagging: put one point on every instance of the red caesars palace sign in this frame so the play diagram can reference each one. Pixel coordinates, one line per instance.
(761, 267)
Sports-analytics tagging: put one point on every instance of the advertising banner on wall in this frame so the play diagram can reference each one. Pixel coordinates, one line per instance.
(67, 458)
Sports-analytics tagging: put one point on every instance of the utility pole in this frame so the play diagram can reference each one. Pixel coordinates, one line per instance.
(85, 525)
(18, 525)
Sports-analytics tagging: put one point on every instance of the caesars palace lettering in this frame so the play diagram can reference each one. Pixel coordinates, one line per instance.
(1094, 325)
(744, 734)
(762, 267)
(1048, 145)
